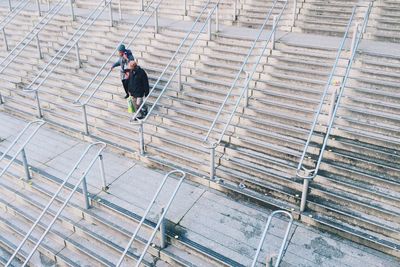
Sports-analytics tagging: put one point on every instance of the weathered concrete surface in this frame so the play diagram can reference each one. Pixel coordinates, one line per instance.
(229, 227)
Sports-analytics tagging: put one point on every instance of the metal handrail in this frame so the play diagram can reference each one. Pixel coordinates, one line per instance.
(10, 16)
(77, 101)
(190, 31)
(39, 123)
(311, 173)
(278, 260)
(358, 35)
(75, 38)
(160, 220)
(15, 11)
(32, 34)
(82, 180)
(178, 68)
(249, 78)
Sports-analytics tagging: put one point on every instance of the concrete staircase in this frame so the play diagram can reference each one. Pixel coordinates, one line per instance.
(354, 195)
(384, 21)
(359, 182)
(81, 237)
(252, 13)
(319, 17)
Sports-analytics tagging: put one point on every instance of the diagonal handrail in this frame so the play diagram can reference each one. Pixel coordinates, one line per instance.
(82, 180)
(357, 36)
(318, 113)
(99, 8)
(78, 99)
(14, 12)
(249, 77)
(70, 44)
(160, 220)
(178, 50)
(177, 68)
(39, 123)
(278, 260)
(10, 16)
(31, 35)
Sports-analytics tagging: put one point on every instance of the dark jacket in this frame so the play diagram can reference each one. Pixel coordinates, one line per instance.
(138, 85)
(122, 62)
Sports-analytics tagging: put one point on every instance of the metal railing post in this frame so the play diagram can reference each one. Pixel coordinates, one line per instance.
(186, 10)
(209, 26)
(235, 8)
(212, 162)
(180, 76)
(304, 195)
(9, 5)
(163, 236)
(217, 19)
(274, 22)
(78, 57)
(294, 12)
(119, 10)
(38, 7)
(156, 21)
(5, 39)
(1, 99)
(111, 15)
(85, 121)
(38, 46)
(141, 5)
(102, 173)
(141, 138)
(26, 166)
(353, 40)
(85, 193)
(72, 9)
(40, 115)
(48, 5)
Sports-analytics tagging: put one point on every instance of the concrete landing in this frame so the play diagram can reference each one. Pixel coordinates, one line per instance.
(229, 227)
